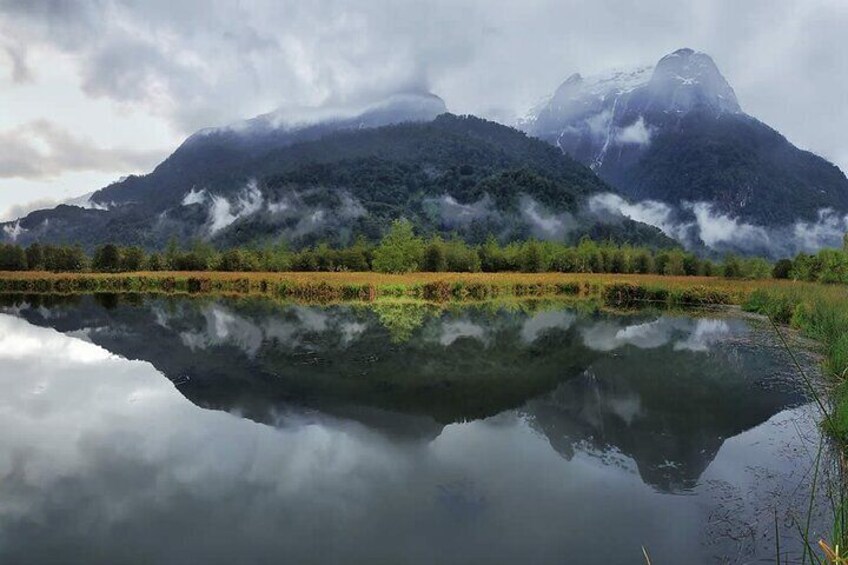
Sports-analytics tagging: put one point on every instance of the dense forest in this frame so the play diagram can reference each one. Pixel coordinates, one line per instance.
(401, 250)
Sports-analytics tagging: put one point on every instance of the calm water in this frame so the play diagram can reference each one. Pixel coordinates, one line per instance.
(243, 431)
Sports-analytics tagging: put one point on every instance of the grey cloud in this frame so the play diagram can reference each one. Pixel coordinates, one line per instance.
(208, 63)
(17, 56)
(199, 65)
(41, 149)
(20, 210)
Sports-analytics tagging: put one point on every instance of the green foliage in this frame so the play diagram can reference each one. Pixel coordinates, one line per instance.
(400, 251)
(756, 268)
(782, 269)
(64, 258)
(239, 260)
(827, 266)
(133, 259)
(35, 257)
(12, 258)
(435, 258)
(732, 268)
(106, 259)
(532, 261)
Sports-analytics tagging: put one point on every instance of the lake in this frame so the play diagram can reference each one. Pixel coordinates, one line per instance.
(220, 430)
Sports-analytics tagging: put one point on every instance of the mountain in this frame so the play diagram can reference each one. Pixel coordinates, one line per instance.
(676, 133)
(331, 177)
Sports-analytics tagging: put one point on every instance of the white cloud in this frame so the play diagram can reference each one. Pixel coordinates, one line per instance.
(543, 223)
(223, 213)
(699, 222)
(635, 134)
(715, 228)
(13, 232)
(454, 330)
(541, 322)
(195, 197)
(651, 212)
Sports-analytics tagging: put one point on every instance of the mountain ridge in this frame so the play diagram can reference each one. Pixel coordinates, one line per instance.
(453, 174)
(676, 132)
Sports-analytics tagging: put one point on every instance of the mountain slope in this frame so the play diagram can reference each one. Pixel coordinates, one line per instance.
(450, 175)
(676, 132)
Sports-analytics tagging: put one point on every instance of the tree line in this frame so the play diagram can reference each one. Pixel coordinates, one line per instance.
(401, 250)
(826, 266)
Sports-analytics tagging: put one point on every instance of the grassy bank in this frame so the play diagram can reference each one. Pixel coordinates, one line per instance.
(821, 313)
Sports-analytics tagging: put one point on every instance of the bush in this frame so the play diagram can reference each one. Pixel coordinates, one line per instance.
(782, 269)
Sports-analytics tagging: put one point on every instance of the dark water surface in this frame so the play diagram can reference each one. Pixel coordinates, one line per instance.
(177, 430)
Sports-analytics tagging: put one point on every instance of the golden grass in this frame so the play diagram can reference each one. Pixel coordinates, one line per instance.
(382, 279)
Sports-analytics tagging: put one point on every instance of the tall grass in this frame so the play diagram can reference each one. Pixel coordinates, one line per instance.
(820, 313)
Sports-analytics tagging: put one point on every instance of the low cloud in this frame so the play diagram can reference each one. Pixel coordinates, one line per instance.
(223, 213)
(16, 211)
(635, 134)
(41, 149)
(13, 232)
(545, 224)
(289, 210)
(697, 224)
(716, 229)
(650, 212)
(453, 214)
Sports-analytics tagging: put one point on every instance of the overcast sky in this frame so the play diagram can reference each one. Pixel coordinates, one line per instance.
(93, 90)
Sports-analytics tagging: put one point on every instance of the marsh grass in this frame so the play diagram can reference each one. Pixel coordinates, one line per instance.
(820, 313)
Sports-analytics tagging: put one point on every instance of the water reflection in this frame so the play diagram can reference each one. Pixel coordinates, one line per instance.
(402, 434)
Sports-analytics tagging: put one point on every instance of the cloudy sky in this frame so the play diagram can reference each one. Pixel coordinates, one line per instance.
(93, 90)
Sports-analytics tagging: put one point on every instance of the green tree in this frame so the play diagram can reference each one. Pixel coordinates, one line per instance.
(172, 255)
(106, 259)
(756, 268)
(834, 266)
(732, 269)
(400, 251)
(491, 256)
(155, 262)
(460, 257)
(532, 258)
(133, 259)
(35, 257)
(435, 260)
(12, 258)
(782, 269)
(643, 262)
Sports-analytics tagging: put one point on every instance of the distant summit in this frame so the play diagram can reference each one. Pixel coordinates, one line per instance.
(675, 132)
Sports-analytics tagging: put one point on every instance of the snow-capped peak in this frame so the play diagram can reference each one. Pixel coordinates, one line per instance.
(686, 79)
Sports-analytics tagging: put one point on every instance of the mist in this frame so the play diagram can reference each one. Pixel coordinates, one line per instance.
(289, 211)
(698, 225)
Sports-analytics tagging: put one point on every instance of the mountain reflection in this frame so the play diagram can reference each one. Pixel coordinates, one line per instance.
(665, 391)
